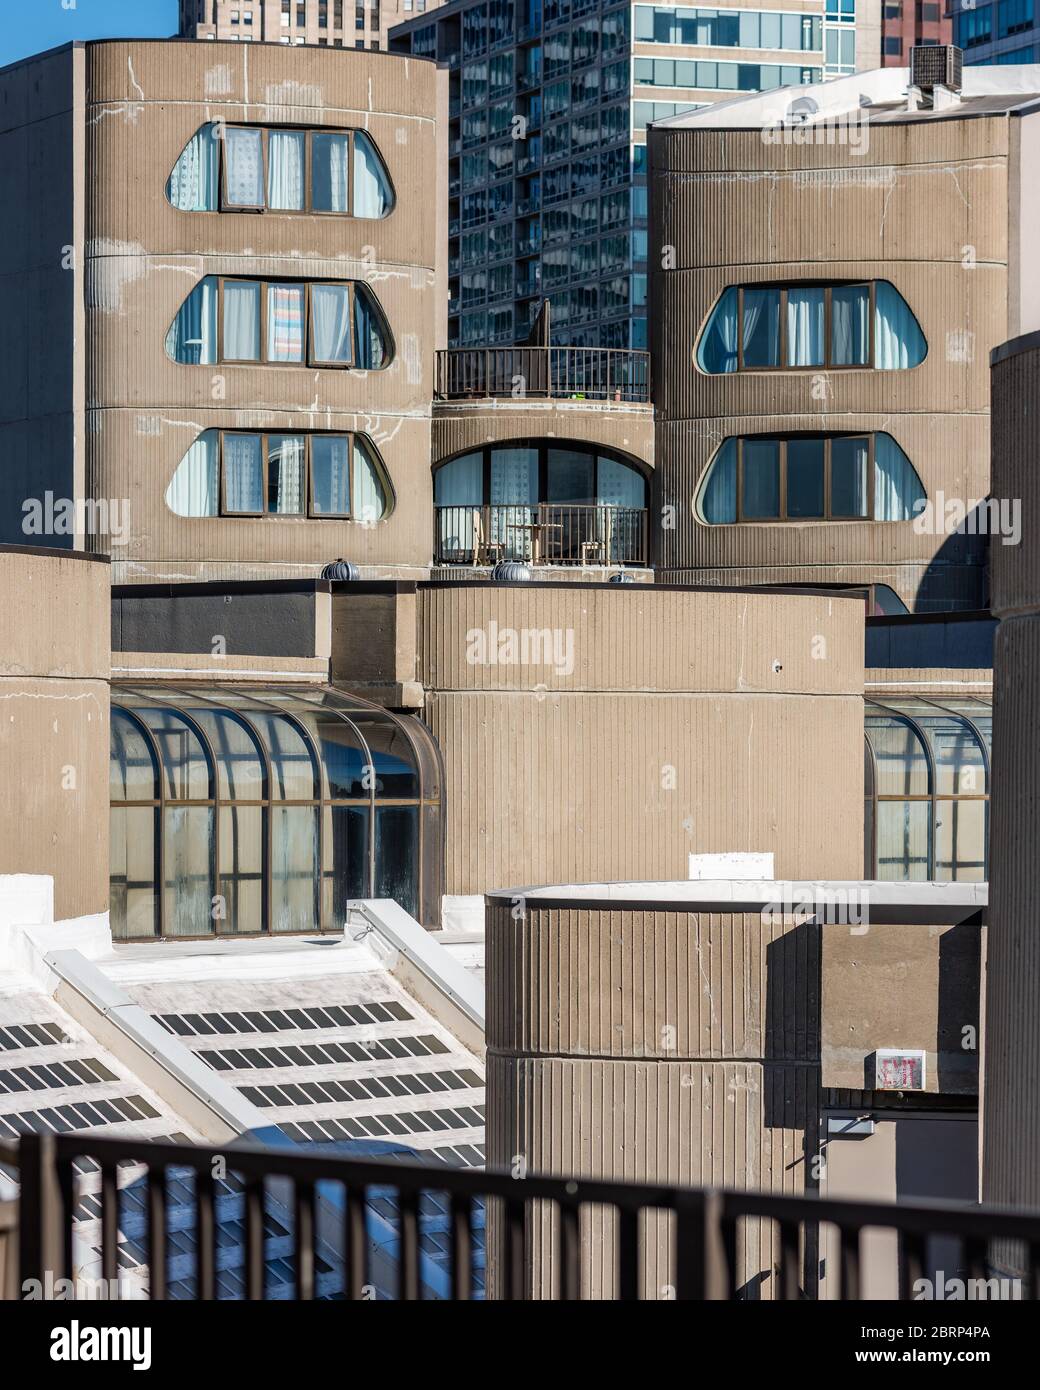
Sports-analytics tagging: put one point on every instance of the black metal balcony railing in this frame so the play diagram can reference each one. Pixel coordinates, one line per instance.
(327, 1206)
(597, 374)
(550, 533)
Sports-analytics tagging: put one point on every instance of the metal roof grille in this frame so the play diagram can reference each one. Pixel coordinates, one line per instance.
(16, 1036)
(363, 1088)
(63, 1119)
(54, 1075)
(382, 1125)
(323, 1055)
(284, 1020)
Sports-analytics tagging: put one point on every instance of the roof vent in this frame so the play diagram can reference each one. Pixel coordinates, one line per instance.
(936, 65)
(341, 570)
(511, 572)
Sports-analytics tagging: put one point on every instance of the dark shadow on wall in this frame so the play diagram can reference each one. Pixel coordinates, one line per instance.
(957, 577)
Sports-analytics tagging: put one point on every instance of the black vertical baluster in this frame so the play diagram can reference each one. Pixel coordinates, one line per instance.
(408, 1209)
(975, 1250)
(157, 1232)
(728, 1228)
(628, 1255)
(850, 1277)
(304, 1240)
(254, 1200)
(66, 1184)
(515, 1250)
(911, 1263)
(790, 1283)
(206, 1236)
(570, 1252)
(356, 1244)
(461, 1247)
(110, 1226)
(1032, 1281)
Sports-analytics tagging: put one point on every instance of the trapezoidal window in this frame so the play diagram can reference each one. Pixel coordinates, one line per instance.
(234, 168)
(288, 323)
(810, 477)
(810, 328)
(242, 811)
(927, 789)
(285, 474)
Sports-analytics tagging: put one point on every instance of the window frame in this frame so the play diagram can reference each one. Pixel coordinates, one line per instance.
(783, 440)
(308, 359)
(828, 287)
(308, 132)
(308, 513)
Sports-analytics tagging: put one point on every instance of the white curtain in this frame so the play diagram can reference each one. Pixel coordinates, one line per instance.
(371, 185)
(755, 301)
(192, 338)
(369, 499)
(718, 349)
(898, 340)
(330, 475)
(719, 495)
(244, 155)
(620, 489)
(285, 314)
(285, 464)
(243, 473)
(805, 328)
(897, 488)
(286, 160)
(330, 307)
(241, 321)
(849, 459)
(193, 487)
(514, 494)
(194, 185)
(850, 326)
(331, 164)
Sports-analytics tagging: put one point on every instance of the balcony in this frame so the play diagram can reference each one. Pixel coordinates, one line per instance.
(550, 533)
(563, 373)
(329, 1205)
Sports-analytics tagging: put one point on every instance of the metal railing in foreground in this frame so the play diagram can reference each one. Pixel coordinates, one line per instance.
(330, 1199)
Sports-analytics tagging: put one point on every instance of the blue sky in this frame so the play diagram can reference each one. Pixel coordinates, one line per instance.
(31, 26)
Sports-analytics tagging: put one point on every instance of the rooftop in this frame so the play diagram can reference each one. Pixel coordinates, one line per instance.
(884, 93)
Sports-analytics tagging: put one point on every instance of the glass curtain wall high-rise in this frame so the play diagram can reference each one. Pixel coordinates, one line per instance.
(547, 176)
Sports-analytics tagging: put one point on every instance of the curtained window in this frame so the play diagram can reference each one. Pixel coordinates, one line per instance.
(285, 317)
(243, 167)
(194, 184)
(286, 474)
(243, 473)
(254, 168)
(330, 475)
(286, 170)
(809, 477)
(809, 327)
(330, 172)
(241, 321)
(372, 193)
(330, 323)
(312, 474)
(271, 323)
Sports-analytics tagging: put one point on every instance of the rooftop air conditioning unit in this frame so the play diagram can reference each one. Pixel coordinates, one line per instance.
(936, 65)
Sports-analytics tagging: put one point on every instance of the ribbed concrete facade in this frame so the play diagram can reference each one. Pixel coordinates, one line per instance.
(54, 668)
(633, 725)
(668, 1046)
(931, 207)
(1011, 1111)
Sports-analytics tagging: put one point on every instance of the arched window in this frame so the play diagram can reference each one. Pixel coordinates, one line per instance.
(927, 789)
(559, 503)
(291, 323)
(234, 168)
(821, 477)
(240, 810)
(288, 474)
(810, 327)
